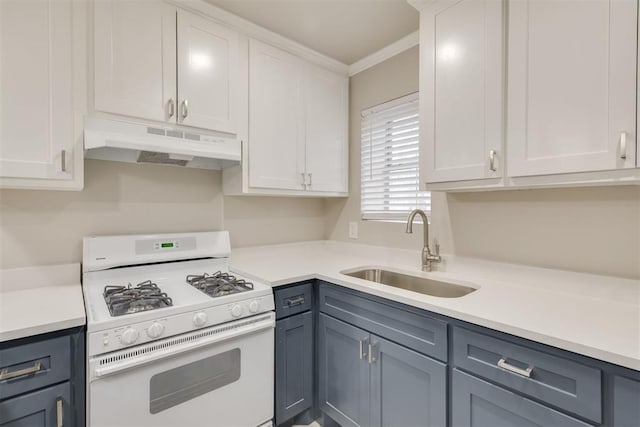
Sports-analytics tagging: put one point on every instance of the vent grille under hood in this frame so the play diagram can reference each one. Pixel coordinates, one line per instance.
(107, 139)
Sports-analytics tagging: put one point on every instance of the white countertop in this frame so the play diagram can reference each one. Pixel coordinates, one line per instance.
(37, 300)
(597, 316)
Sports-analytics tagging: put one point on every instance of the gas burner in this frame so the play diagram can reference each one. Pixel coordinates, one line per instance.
(133, 299)
(219, 284)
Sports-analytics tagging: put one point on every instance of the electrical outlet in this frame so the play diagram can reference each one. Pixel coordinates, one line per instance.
(353, 230)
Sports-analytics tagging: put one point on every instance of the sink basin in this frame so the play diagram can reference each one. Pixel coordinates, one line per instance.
(418, 284)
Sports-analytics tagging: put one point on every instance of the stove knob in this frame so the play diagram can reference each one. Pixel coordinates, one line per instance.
(155, 330)
(200, 318)
(254, 306)
(236, 310)
(129, 336)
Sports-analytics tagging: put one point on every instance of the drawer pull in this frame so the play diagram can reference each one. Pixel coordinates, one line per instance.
(6, 375)
(59, 413)
(524, 372)
(295, 300)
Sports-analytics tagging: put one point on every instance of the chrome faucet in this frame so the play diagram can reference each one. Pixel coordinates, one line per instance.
(427, 256)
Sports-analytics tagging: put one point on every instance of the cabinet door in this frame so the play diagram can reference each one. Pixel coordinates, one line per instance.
(276, 134)
(343, 372)
(572, 86)
(207, 73)
(626, 396)
(135, 58)
(48, 407)
(407, 388)
(294, 366)
(326, 99)
(462, 90)
(481, 404)
(36, 83)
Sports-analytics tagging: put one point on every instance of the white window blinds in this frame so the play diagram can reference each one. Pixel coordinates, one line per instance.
(390, 160)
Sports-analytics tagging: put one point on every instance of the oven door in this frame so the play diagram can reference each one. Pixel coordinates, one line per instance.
(218, 376)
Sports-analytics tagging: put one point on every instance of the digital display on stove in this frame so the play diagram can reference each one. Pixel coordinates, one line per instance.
(166, 245)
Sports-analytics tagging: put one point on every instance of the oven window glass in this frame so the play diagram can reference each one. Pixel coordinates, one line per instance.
(177, 385)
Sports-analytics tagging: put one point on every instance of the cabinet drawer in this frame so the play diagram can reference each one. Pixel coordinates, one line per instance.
(477, 403)
(293, 300)
(419, 332)
(31, 366)
(560, 382)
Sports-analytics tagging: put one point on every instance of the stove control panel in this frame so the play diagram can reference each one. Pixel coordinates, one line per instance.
(105, 341)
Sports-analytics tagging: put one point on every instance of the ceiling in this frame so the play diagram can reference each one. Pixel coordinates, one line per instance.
(346, 30)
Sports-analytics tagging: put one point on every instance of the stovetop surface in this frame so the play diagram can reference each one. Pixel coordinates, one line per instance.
(171, 280)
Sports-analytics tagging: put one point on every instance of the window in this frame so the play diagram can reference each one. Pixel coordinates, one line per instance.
(390, 165)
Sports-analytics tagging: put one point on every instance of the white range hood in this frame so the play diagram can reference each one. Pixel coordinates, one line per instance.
(107, 139)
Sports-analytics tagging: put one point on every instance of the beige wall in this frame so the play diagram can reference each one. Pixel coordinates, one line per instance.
(266, 220)
(46, 227)
(593, 230)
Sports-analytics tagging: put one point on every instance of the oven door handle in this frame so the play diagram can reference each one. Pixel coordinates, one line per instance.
(127, 358)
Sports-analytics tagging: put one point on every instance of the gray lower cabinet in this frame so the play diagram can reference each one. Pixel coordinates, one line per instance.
(478, 403)
(408, 389)
(382, 363)
(42, 380)
(626, 402)
(366, 380)
(48, 407)
(343, 372)
(294, 366)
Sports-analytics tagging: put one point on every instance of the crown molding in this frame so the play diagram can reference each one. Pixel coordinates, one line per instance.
(405, 43)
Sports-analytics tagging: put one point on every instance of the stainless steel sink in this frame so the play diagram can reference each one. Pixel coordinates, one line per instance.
(419, 284)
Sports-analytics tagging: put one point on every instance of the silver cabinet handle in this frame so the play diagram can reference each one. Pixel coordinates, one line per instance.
(372, 356)
(492, 160)
(363, 343)
(310, 182)
(63, 161)
(502, 363)
(185, 109)
(293, 301)
(5, 374)
(59, 412)
(172, 107)
(623, 145)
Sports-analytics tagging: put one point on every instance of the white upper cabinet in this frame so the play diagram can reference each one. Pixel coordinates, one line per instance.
(571, 86)
(40, 143)
(276, 155)
(135, 58)
(297, 124)
(157, 62)
(461, 91)
(326, 100)
(207, 73)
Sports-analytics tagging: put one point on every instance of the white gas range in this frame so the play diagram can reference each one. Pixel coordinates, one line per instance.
(173, 337)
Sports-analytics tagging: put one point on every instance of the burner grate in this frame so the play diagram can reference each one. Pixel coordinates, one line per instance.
(133, 299)
(218, 284)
